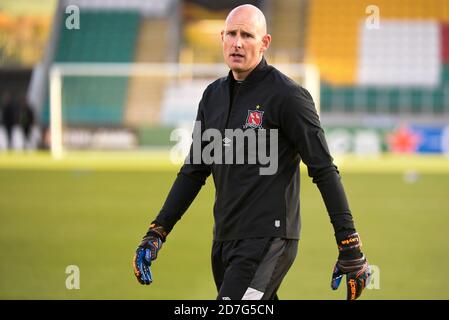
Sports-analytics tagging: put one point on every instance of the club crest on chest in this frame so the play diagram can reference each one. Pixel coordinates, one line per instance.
(254, 119)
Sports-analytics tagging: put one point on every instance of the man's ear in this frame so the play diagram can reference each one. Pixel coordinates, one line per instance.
(222, 34)
(266, 40)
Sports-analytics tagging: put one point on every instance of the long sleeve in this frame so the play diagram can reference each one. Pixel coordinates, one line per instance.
(301, 124)
(190, 179)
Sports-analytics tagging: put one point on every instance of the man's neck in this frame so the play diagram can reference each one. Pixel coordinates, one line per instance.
(241, 76)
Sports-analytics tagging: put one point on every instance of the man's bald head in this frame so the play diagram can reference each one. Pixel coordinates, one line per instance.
(250, 14)
(245, 40)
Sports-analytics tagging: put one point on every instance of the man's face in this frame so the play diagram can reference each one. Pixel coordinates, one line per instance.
(243, 43)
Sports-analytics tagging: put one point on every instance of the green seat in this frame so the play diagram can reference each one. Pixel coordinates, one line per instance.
(104, 36)
(391, 100)
(445, 73)
(325, 97)
(438, 101)
(93, 100)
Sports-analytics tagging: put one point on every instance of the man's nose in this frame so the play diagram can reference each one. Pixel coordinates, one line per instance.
(238, 42)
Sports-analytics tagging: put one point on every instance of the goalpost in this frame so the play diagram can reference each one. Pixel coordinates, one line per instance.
(305, 74)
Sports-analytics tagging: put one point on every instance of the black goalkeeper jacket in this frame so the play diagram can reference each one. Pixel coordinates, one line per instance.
(248, 204)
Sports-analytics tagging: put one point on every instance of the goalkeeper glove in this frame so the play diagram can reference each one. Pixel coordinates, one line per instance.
(147, 251)
(352, 263)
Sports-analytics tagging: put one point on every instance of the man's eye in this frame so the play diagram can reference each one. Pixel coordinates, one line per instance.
(231, 33)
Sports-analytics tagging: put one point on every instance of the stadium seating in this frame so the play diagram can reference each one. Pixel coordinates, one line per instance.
(400, 68)
(105, 36)
(287, 25)
(142, 107)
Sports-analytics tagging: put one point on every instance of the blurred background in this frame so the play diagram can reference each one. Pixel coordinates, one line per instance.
(94, 94)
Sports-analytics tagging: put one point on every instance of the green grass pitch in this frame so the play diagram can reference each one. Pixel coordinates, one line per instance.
(91, 210)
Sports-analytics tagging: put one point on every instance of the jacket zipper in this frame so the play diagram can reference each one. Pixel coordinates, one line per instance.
(232, 104)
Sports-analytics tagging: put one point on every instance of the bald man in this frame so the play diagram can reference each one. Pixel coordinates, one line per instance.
(256, 211)
(245, 39)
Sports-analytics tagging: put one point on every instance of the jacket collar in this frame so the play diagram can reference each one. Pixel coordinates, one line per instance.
(256, 75)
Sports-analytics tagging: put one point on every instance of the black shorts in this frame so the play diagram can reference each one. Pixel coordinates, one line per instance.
(251, 269)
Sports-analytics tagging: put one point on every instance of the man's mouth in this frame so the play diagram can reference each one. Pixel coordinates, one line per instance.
(237, 55)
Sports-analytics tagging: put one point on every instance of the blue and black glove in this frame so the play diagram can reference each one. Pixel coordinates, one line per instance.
(352, 263)
(147, 251)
